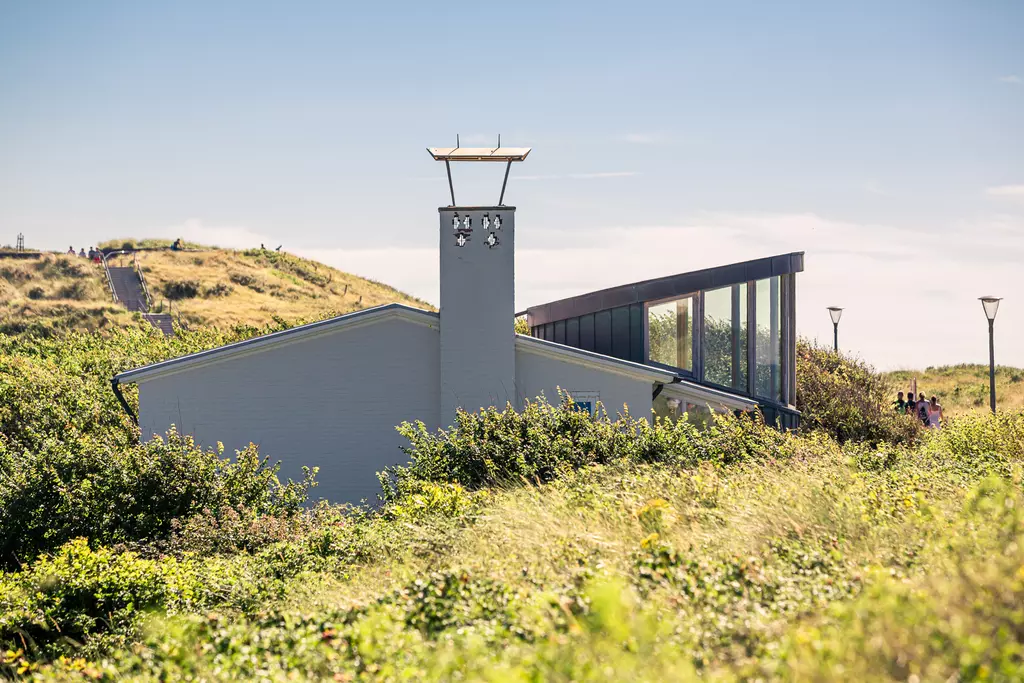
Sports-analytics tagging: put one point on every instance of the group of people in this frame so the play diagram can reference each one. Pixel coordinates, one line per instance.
(928, 411)
(94, 255)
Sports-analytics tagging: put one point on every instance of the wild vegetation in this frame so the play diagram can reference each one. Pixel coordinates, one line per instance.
(965, 388)
(541, 545)
(55, 293)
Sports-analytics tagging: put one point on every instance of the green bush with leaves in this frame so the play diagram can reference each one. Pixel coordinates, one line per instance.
(544, 544)
(848, 399)
(175, 290)
(507, 447)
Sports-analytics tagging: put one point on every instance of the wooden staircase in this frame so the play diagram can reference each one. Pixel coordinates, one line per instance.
(128, 286)
(161, 321)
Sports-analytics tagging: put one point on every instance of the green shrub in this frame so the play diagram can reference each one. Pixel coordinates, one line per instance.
(506, 447)
(78, 592)
(253, 282)
(129, 494)
(36, 293)
(219, 289)
(76, 291)
(14, 274)
(176, 290)
(847, 399)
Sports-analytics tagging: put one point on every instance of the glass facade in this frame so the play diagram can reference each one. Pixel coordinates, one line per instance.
(725, 338)
(670, 333)
(740, 330)
(767, 311)
(731, 327)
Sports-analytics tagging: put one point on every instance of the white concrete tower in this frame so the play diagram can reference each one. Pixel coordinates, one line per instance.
(477, 259)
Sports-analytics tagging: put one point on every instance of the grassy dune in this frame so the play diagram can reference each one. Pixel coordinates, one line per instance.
(964, 388)
(209, 287)
(56, 292)
(256, 286)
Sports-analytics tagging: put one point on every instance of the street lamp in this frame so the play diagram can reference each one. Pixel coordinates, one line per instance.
(836, 314)
(991, 305)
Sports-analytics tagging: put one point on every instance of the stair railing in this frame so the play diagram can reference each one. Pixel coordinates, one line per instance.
(142, 279)
(106, 270)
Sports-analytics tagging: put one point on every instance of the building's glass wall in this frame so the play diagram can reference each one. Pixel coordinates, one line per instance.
(725, 340)
(670, 333)
(769, 378)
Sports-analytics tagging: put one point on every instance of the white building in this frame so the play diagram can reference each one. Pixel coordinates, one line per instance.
(330, 394)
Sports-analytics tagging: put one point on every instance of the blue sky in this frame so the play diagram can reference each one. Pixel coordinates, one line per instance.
(884, 138)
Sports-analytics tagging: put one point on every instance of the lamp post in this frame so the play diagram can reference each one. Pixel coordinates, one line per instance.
(991, 306)
(836, 314)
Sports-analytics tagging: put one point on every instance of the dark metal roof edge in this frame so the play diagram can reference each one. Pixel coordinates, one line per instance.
(272, 338)
(666, 287)
(441, 209)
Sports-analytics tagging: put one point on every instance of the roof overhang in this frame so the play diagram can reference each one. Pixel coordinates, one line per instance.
(193, 361)
(507, 154)
(701, 395)
(666, 287)
(597, 361)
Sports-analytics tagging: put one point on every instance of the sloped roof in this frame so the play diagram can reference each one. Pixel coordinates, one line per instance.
(371, 315)
(365, 316)
(665, 287)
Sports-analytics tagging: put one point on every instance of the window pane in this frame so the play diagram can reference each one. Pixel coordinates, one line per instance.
(718, 336)
(769, 339)
(670, 333)
(740, 340)
(725, 337)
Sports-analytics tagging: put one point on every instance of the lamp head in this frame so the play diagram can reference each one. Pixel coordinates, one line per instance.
(991, 306)
(836, 314)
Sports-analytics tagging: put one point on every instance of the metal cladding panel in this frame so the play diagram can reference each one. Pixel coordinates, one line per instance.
(477, 307)
(667, 287)
(587, 339)
(572, 332)
(603, 332)
(636, 334)
(560, 332)
(620, 332)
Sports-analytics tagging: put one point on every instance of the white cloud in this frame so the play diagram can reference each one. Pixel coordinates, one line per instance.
(1011, 191)
(644, 138)
(873, 187)
(231, 237)
(607, 174)
(580, 176)
(1011, 79)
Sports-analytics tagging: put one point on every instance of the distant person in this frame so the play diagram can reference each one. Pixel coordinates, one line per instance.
(935, 416)
(176, 245)
(71, 251)
(899, 405)
(81, 252)
(92, 254)
(910, 407)
(923, 407)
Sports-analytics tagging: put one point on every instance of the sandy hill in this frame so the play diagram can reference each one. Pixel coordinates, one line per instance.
(202, 285)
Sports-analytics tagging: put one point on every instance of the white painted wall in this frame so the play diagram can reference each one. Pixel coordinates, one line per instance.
(537, 374)
(331, 400)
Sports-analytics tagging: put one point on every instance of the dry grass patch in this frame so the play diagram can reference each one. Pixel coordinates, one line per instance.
(964, 388)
